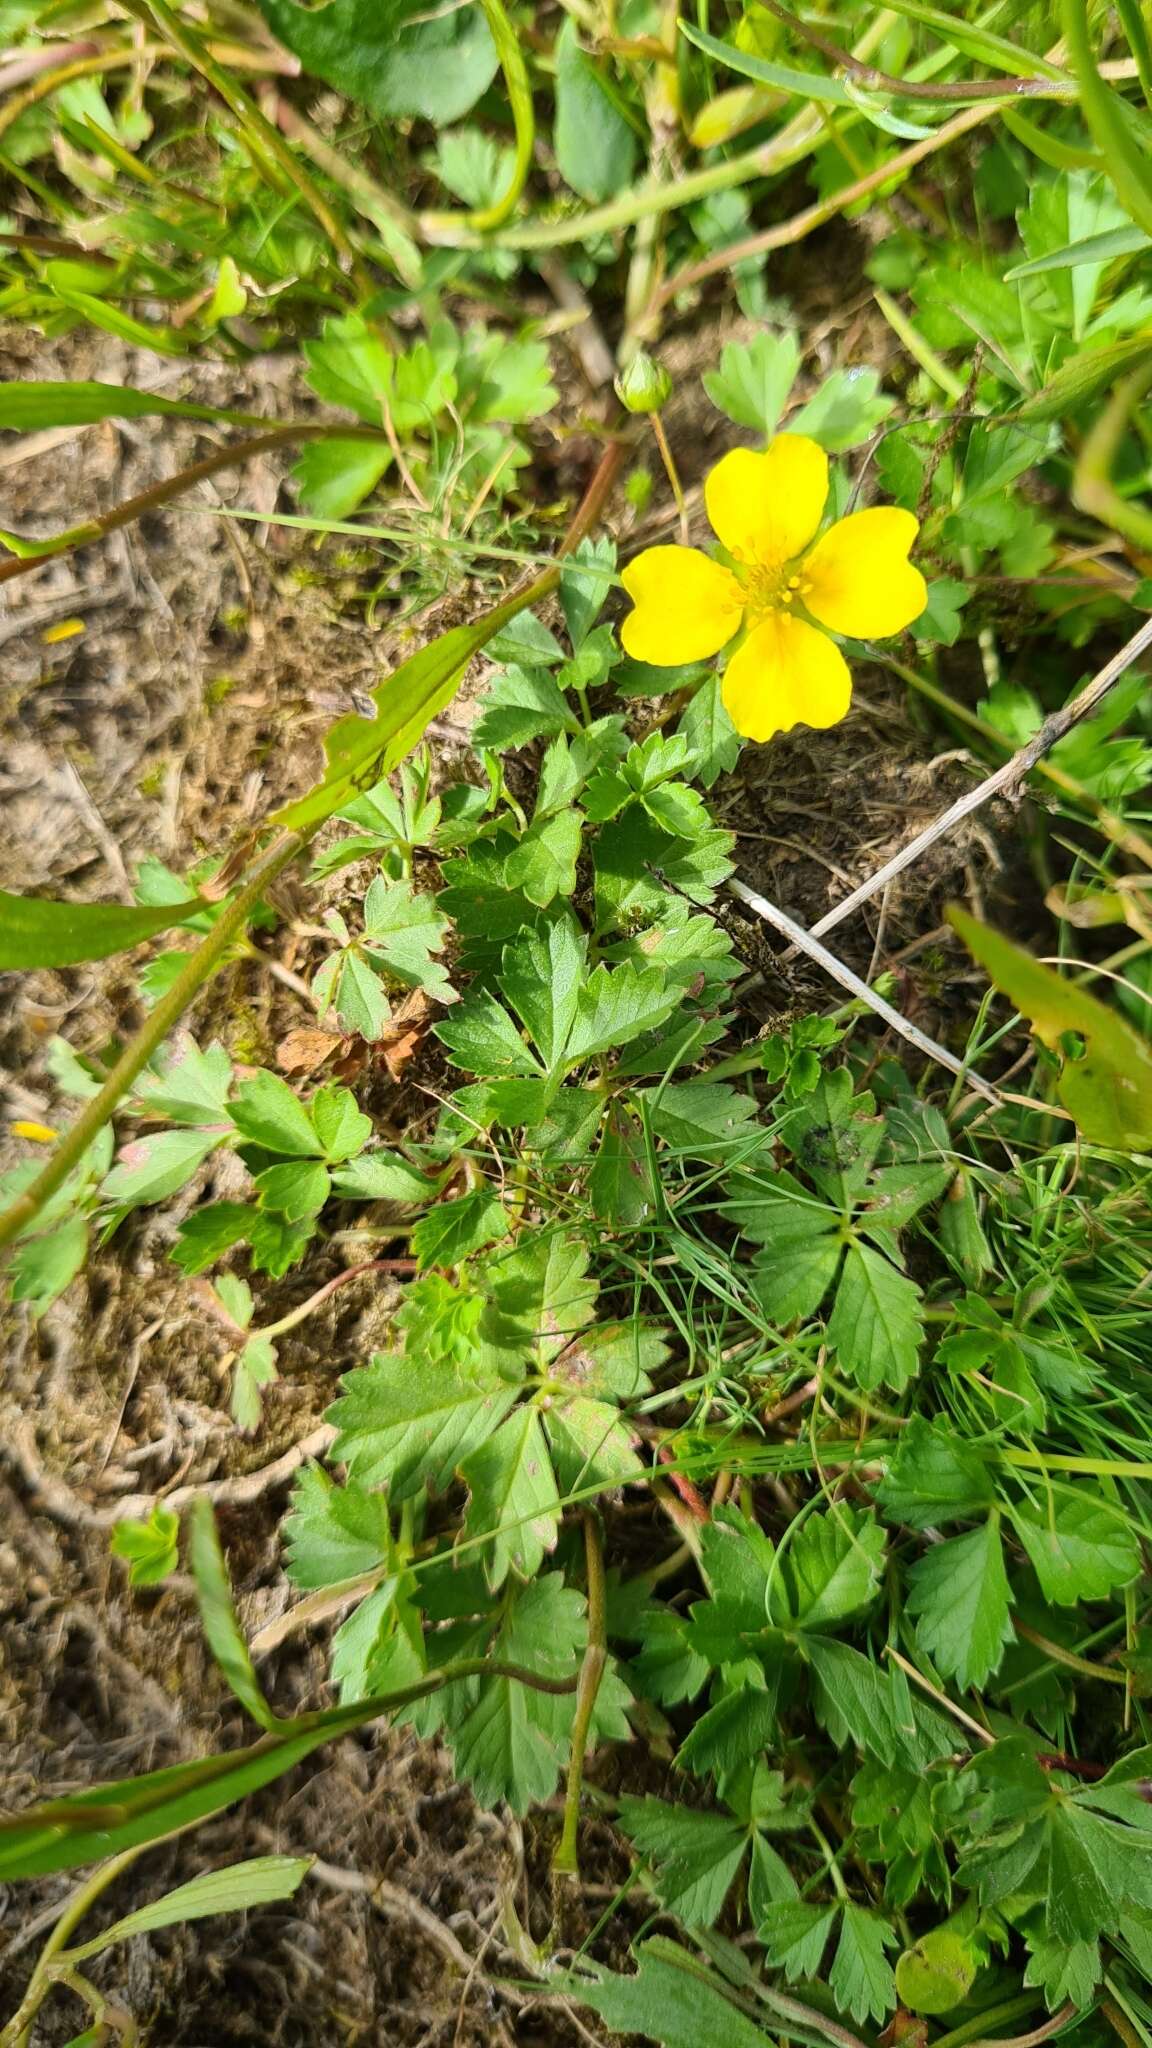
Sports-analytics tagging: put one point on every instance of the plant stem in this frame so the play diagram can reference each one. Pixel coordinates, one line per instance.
(566, 1861)
(198, 969)
(299, 1315)
(519, 90)
(289, 435)
(673, 473)
(1059, 1655)
(17, 2033)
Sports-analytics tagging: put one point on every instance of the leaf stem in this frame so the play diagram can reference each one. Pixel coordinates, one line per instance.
(125, 514)
(566, 1861)
(17, 2033)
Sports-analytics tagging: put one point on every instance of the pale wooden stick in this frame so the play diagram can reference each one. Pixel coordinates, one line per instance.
(808, 944)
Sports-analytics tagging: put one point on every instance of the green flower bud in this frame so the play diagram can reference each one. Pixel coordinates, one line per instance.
(644, 385)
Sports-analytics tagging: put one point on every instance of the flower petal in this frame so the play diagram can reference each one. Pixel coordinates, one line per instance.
(686, 606)
(785, 674)
(858, 578)
(765, 508)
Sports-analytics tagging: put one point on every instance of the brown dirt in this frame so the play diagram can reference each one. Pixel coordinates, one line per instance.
(209, 664)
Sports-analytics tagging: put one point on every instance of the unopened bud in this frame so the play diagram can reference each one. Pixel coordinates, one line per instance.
(644, 386)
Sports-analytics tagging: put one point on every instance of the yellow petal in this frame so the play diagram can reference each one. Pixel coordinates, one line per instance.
(785, 674)
(858, 578)
(686, 606)
(765, 508)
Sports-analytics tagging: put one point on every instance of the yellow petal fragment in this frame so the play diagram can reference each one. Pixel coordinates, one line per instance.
(766, 508)
(785, 674)
(858, 578)
(686, 606)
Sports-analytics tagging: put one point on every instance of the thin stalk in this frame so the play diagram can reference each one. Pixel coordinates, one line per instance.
(198, 969)
(672, 473)
(81, 67)
(17, 2033)
(1057, 1654)
(566, 1861)
(520, 100)
(171, 487)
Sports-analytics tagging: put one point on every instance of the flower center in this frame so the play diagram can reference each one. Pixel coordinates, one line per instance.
(772, 587)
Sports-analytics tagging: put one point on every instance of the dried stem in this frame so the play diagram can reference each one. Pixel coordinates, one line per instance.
(566, 1861)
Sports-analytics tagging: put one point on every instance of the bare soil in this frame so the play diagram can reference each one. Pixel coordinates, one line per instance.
(212, 656)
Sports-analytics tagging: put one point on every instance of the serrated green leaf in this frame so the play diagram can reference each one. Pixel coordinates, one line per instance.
(265, 1110)
(513, 1497)
(1079, 1548)
(615, 1005)
(672, 2004)
(296, 1189)
(482, 1038)
(333, 1532)
(404, 1422)
(384, 1177)
(693, 1857)
(830, 1570)
(754, 379)
(335, 475)
(934, 1478)
(451, 1231)
(958, 1593)
(543, 865)
(875, 1323)
(861, 1978)
(148, 1547)
(521, 705)
(511, 1744)
(795, 1936)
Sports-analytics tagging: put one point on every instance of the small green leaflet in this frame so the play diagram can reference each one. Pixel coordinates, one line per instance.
(1080, 1547)
(958, 1592)
(668, 2001)
(860, 1978)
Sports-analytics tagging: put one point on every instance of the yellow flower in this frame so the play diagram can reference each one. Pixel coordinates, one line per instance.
(780, 584)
